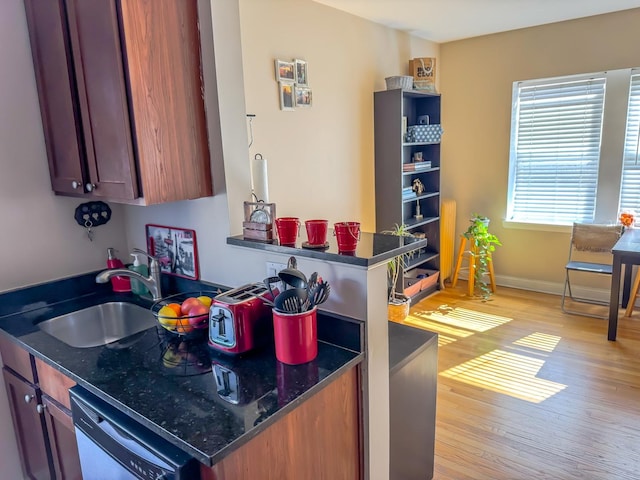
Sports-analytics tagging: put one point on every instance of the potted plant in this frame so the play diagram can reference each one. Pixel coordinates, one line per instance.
(398, 303)
(483, 243)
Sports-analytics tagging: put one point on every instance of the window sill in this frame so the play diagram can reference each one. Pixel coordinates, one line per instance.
(538, 227)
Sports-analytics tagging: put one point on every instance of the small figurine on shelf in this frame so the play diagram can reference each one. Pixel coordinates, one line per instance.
(418, 188)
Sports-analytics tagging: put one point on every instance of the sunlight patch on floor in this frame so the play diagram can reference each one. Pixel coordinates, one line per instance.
(508, 373)
(462, 318)
(539, 341)
(425, 323)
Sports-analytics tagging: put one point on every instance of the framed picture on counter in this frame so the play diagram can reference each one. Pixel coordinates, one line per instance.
(175, 248)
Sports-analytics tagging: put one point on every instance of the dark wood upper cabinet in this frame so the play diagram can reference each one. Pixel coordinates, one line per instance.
(121, 98)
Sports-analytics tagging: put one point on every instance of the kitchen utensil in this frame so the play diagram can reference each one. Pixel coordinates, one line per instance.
(313, 279)
(291, 301)
(240, 319)
(293, 277)
(320, 293)
(269, 283)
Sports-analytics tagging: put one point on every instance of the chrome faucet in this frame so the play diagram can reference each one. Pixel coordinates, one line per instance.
(152, 282)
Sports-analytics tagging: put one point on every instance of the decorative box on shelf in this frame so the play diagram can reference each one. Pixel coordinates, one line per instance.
(258, 221)
(424, 133)
(419, 279)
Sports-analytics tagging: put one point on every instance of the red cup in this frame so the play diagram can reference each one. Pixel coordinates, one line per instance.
(296, 336)
(347, 235)
(317, 231)
(287, 228)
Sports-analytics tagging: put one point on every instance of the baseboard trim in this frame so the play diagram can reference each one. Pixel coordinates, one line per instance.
(553, 288)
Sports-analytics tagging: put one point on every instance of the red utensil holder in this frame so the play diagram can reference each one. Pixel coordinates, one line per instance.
(296, 336)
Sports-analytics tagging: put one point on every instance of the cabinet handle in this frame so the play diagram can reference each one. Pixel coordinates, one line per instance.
(90, 187)
(40, 408)
(28, 398)
(75, 185)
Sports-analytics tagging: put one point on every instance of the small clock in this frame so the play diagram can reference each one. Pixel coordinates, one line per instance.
(260, 215)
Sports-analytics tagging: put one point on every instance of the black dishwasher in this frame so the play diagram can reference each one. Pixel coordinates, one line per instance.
(112, 446)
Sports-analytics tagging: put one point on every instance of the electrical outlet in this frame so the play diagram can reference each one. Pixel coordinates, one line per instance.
(274, 268)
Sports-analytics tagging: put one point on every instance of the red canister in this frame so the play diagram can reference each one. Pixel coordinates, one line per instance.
(296, 336)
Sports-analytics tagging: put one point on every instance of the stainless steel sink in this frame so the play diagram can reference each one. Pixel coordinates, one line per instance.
(100, 324)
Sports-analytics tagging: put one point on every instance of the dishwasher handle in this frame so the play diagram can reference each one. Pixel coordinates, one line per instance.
(92, 420)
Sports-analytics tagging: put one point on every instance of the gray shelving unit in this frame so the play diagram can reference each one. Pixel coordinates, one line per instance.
(391, 153)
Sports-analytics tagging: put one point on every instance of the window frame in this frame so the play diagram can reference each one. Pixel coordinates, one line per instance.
(607, 197)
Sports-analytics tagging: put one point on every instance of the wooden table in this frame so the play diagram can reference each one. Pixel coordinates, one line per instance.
(626, 251)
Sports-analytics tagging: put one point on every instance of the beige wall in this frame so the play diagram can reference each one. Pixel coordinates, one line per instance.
(320, 158)
(476, 83)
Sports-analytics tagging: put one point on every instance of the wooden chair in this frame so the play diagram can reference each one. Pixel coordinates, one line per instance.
(588, 238)
(472, 256)
(633, 295)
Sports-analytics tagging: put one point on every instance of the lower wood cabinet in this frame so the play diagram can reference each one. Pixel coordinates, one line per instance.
(320, 439)
(38, 398)
(29, 426)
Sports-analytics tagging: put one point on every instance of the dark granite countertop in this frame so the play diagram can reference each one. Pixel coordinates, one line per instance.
(405, 343)
(177, 397)
(372, 249)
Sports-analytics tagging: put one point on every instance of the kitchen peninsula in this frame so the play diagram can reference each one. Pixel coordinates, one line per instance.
(345, 389)
(359, 291)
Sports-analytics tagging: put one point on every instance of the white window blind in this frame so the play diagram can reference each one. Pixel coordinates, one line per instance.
(555, 150)
(630, 190)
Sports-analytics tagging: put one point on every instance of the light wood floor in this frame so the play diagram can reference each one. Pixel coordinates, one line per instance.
(527, 392)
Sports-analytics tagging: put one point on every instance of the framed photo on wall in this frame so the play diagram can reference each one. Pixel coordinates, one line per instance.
(302, 72)
(175, 248)
(303, 96)
(287, 95)
(285, 71)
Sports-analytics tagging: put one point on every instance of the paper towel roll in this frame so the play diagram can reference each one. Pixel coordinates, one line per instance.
(259, 178)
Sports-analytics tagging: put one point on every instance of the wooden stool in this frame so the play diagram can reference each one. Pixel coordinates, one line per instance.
(473, 264)
(633, 295)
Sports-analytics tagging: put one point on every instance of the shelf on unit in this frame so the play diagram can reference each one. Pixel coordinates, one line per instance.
(422, 170)
(423, 294)
(418, 144)
(424, 195)
(413, 223)
(417, 93)
(418, 260)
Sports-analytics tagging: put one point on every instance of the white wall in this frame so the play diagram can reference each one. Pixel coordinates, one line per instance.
(40, 239)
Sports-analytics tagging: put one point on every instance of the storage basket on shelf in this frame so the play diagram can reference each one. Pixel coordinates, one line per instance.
(185, 314)
(400, 81)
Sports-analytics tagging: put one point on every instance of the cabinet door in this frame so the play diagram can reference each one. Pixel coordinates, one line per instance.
(56, 89)
(62, 438)
(102, 93)
(28, 423)
(320, 439)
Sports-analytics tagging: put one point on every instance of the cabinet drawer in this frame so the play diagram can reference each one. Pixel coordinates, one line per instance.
(17, 359)
(54, 383)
